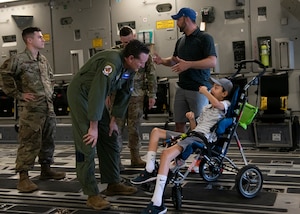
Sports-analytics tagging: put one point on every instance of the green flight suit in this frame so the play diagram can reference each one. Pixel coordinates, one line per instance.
(144, 83)
(100, 76)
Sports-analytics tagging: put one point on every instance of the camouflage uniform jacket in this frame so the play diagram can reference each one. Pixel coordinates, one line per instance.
(23, 74)
(144, 82)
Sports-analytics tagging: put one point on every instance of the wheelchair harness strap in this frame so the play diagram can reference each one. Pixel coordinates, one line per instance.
(204, 139)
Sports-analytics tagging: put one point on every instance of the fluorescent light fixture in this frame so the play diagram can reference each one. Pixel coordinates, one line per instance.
(5, 1)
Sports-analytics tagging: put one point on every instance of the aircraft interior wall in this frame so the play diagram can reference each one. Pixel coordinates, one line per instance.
(74, 30)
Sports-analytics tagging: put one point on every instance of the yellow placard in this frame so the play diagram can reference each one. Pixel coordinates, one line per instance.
(273, 102)
(165, 24)
(97, 43)
(46, 37)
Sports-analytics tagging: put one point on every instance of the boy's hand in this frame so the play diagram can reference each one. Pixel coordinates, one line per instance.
(190, 115)
(202, 89)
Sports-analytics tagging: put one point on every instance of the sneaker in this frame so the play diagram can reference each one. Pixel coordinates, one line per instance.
(195, 169)
(120, 189)
(151, 208)
(177, 164)
(144, 177)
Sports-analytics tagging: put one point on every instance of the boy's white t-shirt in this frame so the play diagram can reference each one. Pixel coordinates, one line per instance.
(208, 118)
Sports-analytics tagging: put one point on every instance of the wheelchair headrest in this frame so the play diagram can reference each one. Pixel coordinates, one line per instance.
(233, 102)
(224, 123)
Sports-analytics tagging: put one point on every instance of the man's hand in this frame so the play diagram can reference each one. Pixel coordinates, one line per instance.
(151, 102)
(28, 97)
(180, 66)
(108, 102)
(157, 59)
(92, 136)
(113, 126)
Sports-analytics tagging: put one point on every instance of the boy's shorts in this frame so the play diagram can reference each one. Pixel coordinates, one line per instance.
(183, 143)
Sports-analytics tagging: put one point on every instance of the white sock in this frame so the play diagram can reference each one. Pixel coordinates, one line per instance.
(159, 190)
(150, 164)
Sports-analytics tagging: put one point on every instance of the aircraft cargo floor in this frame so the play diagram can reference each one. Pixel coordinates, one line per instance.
(280, 193)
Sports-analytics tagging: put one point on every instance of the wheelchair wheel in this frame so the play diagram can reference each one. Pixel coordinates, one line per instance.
(249, 181)
(177, 196)
(210, 171)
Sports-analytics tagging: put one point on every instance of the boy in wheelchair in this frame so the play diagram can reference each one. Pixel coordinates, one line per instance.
(210, 115)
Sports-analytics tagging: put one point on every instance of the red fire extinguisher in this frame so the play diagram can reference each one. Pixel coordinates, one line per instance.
(264, 55)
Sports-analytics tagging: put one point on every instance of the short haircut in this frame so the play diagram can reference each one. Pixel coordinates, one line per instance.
(135, 48)
(125, 31)
(29, 32)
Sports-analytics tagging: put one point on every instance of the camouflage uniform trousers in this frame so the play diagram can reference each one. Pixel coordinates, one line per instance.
(36, 138)
(134, 116)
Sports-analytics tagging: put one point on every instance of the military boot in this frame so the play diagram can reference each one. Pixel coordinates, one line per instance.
(48, 173)
(136, 160)
(25, 184)
(120, 189)
(97, 202)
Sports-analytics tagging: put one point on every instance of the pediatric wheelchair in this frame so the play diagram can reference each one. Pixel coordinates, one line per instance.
(213, 156)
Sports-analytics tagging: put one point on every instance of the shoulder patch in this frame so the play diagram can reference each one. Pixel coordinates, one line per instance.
(107, 70)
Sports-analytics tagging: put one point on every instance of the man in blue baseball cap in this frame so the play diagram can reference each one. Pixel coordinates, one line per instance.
(187, 12)
(192, 59)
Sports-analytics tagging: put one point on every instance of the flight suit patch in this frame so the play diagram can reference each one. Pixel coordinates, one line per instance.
(107, 70)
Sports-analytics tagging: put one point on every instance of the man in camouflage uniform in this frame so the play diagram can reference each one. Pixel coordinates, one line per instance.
(145, 84)
(28, 78)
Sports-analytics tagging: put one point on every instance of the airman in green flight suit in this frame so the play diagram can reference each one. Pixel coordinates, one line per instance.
(106, 72)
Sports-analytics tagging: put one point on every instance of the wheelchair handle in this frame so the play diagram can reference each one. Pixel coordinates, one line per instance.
(243, 62)
(240, 66)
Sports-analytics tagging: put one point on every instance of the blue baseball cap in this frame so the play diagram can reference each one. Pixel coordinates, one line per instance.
(185, 11)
